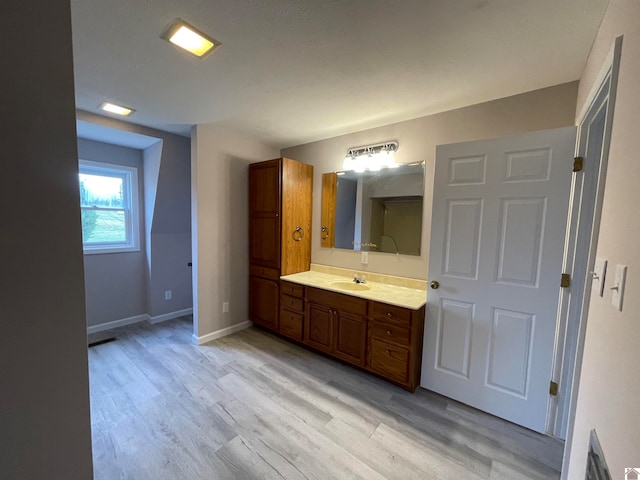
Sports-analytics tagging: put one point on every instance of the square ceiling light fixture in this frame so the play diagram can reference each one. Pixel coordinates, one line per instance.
(117, 109)
(189, 38)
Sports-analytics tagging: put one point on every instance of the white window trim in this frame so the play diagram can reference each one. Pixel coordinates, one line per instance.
(131, 174)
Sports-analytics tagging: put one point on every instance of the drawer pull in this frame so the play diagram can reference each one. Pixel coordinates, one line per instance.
(388, 352)
(389, 314)
(389, 332)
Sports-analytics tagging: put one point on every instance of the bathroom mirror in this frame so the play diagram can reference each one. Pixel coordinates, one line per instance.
(374, 211)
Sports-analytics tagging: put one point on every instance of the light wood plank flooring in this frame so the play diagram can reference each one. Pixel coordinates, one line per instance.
(252, 406)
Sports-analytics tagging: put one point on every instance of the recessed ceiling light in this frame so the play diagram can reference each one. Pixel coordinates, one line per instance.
(117, 109)
(183, 35)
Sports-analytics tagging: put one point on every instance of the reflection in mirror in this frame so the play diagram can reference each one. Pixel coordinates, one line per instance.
(374, 211)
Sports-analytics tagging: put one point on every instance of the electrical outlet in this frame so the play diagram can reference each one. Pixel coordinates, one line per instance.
(225, 307)
(364, 258)
(167, 294)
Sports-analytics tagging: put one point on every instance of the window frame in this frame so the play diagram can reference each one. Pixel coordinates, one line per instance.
(131, 200)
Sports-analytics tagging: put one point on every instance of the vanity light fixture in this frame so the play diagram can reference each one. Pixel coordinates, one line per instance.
(189, 38)
(117, 109)
(371, 157)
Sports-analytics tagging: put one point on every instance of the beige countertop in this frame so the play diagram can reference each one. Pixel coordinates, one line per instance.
(401, 296)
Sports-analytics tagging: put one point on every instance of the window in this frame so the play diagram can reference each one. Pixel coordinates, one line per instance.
(109, 206)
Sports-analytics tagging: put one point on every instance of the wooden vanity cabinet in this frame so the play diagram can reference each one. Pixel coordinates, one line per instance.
(337, 324)
(292, 307)
(280, 196)
(381, 338)
(263, 308)
(395, 337)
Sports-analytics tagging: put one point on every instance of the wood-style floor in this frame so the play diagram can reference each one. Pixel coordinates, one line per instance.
(252, 406)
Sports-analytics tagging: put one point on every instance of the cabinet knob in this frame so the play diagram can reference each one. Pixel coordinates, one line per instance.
(389, 314)
(388, 352)
(388, 332)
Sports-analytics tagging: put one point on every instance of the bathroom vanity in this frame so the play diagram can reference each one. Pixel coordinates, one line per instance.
(354, 323)
(376, 325)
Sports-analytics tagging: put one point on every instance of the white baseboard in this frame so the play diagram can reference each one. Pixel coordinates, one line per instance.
(139, 318)
(170, 316)
(221, 333)
(117, 323)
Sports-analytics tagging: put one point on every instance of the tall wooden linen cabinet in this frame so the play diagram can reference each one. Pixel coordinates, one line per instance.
(280, 198)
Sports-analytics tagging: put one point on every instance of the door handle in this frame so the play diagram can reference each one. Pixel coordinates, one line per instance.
(435, 285)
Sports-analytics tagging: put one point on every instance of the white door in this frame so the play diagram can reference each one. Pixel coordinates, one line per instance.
(497, 237)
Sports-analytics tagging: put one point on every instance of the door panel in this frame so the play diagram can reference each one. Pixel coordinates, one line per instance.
(520, 240)
(497, 237)
(263, 302)
(510, 338)
(264, 187)
(318, 330)
(264, 241)
(462, 241)
(351, 337)
(454, 337)
(264, 213)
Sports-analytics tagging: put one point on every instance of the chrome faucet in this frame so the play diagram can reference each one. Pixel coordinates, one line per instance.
(359, 280)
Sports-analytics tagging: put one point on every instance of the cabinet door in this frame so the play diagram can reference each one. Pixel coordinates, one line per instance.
(297, 194)
(263, 301)
(328, 209)
(264, 213)
(318, 330)
(351, 337)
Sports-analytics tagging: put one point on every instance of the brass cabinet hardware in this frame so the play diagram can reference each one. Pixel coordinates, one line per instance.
(298, 233)
(578, 164)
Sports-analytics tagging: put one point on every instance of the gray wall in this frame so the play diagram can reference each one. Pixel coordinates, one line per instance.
(115, 283)
(171, 230)
(609, 393)
(547, 108)
(220, 191)
(166, 223)
(44, 392)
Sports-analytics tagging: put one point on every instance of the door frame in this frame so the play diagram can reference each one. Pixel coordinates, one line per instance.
(573, 307)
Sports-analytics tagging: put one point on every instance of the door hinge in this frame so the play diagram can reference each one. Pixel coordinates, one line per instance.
(565, 280)
(578, 163)
(553, 388)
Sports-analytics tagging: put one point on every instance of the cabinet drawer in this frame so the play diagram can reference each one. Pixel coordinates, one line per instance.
(292, 303)
(292, 289)
(291, 324)
(339, 301)
(390, 312)
(390, 361)
(265, 272)
(391, 332)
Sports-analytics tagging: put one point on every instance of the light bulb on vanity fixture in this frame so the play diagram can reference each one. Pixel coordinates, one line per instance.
(371, 157)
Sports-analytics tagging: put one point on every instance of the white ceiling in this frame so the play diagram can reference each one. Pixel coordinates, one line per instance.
(294, 71)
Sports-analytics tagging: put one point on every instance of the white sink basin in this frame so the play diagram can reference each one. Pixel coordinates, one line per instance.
(351, 286)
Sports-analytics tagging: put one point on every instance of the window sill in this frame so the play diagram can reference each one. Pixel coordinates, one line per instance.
(108, 250)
